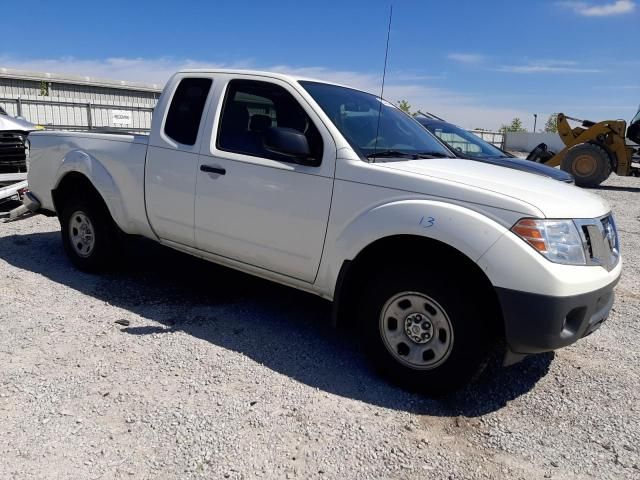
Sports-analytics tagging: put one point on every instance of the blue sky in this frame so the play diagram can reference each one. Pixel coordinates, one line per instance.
(477, 63)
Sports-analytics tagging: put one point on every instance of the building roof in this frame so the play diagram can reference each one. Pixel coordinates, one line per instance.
(15, 74)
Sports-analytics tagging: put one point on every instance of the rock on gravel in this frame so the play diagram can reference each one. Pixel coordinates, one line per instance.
(174, 368)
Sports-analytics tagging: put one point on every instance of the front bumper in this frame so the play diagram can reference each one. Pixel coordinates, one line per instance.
(540, 323)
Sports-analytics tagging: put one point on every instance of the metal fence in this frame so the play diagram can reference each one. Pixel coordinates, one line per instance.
(74, 115)
(495, 138)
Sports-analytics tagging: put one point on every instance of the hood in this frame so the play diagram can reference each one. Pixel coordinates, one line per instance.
(554, 199)
(527, 166)
(14, 124)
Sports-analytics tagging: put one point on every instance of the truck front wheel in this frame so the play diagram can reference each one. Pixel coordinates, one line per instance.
(89, 234)
(426, 333)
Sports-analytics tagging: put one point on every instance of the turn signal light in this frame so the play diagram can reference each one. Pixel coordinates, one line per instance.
(530, 232)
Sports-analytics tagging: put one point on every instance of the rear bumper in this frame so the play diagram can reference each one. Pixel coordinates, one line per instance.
(541, 323)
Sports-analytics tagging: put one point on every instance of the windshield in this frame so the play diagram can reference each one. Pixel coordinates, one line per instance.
(356, 114)
(464, 142)
(636, 118)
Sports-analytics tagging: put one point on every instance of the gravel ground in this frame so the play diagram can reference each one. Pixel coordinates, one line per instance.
(174, 368)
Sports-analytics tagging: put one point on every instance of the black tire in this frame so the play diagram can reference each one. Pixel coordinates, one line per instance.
(473, 338)
(589, 164)
(105, 250)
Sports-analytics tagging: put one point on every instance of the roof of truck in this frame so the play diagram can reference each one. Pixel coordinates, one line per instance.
(263, 73)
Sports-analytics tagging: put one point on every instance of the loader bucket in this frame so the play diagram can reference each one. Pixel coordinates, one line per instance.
(540, 154)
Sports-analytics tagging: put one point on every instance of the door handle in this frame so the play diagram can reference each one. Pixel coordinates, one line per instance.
(212, 169)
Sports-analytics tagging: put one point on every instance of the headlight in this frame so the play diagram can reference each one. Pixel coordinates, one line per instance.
(557, 240)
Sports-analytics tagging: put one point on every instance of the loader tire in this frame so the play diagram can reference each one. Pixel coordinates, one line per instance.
(589, 164)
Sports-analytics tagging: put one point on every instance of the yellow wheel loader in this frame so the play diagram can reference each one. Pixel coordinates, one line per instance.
(593, 150)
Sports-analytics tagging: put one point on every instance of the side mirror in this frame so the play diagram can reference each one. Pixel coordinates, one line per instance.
(291, 143)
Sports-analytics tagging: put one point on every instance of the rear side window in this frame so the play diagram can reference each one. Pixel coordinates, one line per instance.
(185, 112)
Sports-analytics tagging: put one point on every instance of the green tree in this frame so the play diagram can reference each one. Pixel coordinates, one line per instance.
(404, 106)
(552, 124)
(514, 126)
(44, 89)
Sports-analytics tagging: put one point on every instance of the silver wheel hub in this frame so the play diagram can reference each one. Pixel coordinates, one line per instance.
(81, 234)
(416, 330)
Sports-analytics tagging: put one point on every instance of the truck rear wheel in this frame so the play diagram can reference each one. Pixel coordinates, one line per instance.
(588, 163)
(89, 235)
(425, 333)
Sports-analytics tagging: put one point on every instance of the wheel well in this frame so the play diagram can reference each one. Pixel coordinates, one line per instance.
(410, 248)
(73, 184)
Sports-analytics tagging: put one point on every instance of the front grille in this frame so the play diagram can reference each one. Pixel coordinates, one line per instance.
(600, 241)
(13, 153)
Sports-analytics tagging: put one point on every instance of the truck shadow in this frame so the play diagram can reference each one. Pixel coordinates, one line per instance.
(284, 329)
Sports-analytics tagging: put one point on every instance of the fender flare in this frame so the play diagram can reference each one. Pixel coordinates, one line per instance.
(467, 231)
(79, 161)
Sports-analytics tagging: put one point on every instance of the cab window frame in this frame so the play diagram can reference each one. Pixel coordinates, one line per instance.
(168, 124)
(250, 86)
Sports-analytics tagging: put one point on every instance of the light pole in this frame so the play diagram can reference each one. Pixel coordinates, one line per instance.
(535, 121)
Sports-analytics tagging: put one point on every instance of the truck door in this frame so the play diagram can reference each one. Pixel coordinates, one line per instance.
(259, 207)
(172, 159)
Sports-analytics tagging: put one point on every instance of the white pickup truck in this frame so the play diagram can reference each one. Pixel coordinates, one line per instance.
(436, 260)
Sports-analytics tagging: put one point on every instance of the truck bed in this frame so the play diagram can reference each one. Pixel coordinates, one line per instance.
(114, 161)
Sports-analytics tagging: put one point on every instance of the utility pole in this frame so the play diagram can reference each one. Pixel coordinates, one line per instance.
(535, 121)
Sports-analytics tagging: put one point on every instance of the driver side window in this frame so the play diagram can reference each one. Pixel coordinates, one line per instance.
(251, 108)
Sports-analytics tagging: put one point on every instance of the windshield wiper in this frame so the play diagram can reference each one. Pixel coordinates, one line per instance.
(432, 155)
(392, 154)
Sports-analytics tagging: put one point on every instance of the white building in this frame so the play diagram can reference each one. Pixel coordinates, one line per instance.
(77, 103)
